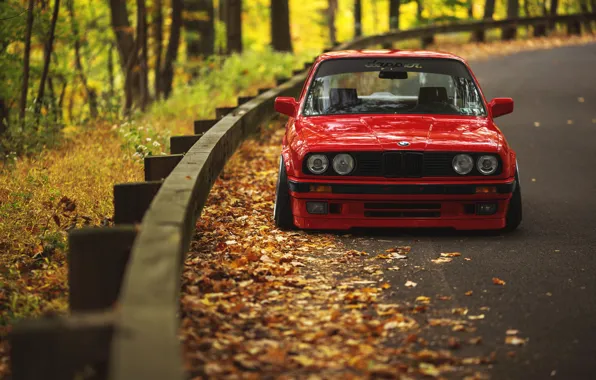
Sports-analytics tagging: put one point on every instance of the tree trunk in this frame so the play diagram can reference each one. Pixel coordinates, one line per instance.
(540, 29)
(4, 114)
(142, 61)
(489, 10)
(583, 5)
(280, 26)
(91, 96)
(167, 75)
(47, 56)
(26, 54)
(122, 29)
(554, 7)
(331, 12)
(510, 32)
(158, 36)
(394, 14)
(199, 27)
(124, 41)
(357, 18)
(234, 26)
(419, 10)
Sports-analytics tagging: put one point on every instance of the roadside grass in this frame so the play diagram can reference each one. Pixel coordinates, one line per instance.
(45, 195)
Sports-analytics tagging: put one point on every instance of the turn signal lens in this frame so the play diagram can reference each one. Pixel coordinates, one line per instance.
(486, 189)
(320, 188)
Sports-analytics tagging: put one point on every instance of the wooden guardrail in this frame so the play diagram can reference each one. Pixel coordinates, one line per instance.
(125, 280)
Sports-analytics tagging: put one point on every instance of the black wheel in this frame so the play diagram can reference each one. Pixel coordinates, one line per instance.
(514, 213)
(282, 212)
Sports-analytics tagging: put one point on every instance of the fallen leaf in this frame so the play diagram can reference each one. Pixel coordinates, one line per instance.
(515, 341)
(569, 122)
(475, 340)
(450, 254)
(442, 260)
(423, 299)
(533, 179)
(512, 332)
(469, 293)
(581, 99)
(498, 281)
(475, 317)
(429, 370)
(410, 284)
(467, 259)
(459, 311)
(537, 124)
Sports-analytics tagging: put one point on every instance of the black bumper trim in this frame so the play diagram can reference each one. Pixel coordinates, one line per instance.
(467, 189)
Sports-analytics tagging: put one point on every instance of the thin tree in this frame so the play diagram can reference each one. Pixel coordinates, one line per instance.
(489, 10)
(199, 27)
(280, 25)
(142, 60)
(554, 7)
(47, 58)
(26, 56)
(158, 47)
(510, 32)
(91, 96)
(394, 14)
(357, 18)
(234, 26)
(331, 12)
(172, 50)
(583, 6)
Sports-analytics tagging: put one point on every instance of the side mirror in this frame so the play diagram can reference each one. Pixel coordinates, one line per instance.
(287, 106)
(500, 106)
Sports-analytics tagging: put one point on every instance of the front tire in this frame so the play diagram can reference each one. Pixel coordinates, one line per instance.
(282, 212)
(514, 213)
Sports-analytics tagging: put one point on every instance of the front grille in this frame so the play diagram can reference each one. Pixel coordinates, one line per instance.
(402, 164)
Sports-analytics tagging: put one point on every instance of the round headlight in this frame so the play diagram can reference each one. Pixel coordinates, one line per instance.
(463, 164)
(343, 164)
(317, 163)
(487, 165)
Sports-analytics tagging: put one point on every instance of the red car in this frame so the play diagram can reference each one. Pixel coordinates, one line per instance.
(390, 138)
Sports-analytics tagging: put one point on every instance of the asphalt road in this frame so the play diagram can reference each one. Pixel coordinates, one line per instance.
(549, 264)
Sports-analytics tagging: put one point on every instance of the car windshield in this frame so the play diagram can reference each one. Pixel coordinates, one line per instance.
(393, 86)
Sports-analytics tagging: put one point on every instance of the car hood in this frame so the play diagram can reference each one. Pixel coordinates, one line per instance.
(443, 133)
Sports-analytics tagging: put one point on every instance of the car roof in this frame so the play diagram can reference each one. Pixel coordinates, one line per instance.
(387, 54)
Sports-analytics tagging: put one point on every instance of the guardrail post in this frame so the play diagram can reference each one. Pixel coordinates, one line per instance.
(159, 167)
(244, 99)
(97, 259)
(220, 112)
(59, 348)
(540, 29)
(182, 144)
(131, 200)
(574, 27)
(427, 40)
(280, 81)
(202, 126)
(509, 33)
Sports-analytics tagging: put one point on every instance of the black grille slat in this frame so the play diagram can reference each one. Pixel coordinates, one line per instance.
(392, 164)
(402, 214)
(402, 206)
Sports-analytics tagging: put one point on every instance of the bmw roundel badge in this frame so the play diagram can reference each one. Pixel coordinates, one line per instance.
(403, 143)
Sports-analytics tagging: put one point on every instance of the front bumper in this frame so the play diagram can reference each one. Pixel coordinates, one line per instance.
(405, 205)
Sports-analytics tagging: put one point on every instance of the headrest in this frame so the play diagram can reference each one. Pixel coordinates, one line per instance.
(432, 95)
(343, 96)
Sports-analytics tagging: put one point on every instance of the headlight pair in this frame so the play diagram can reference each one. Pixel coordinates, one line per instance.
(464, 163)
(343, 163)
